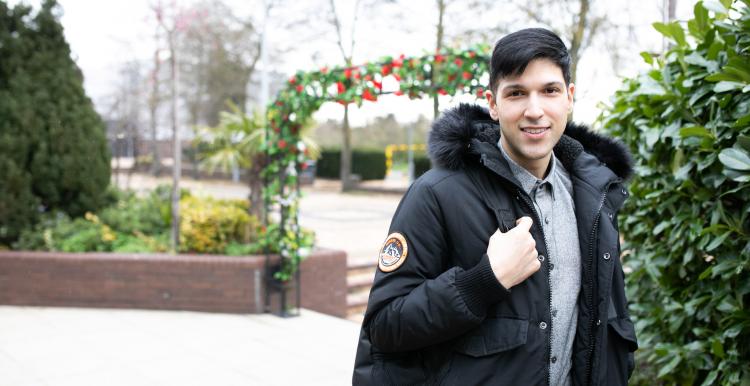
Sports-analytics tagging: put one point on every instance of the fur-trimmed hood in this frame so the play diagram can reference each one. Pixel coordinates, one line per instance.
(453, 132)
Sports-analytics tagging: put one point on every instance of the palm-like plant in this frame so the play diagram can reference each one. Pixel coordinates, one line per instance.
(237, 143)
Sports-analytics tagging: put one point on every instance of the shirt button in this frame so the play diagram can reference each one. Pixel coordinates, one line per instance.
(546, 220)
(553, 360)
(606, 256)
(551, 266)
(541, 258)
(543, 325)
(554, 313)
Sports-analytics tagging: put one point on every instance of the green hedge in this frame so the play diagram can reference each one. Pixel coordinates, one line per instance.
(369, 164)
(421, 165)
(686, 226)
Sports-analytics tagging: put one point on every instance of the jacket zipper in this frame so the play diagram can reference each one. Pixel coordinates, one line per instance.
(592, 335)
(528, 203)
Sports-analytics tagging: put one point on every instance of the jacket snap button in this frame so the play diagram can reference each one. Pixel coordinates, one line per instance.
(606, 256)
(624, 192)
(598, 322)
(541, 258)
(611, 216)
(543, 325)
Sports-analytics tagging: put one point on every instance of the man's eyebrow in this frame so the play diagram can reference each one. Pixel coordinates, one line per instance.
(514, 86)
(518, 86)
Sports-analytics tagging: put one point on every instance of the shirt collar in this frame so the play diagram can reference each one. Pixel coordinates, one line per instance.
(528, 181)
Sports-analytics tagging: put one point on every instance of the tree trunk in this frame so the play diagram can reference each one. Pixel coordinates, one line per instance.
(671, 9)
(153, 103)
(577, 39)
(177, 149)
(438, 48)
(255, 182)
(346, 153)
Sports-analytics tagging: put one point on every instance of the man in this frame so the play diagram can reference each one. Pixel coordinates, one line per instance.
(502, 263)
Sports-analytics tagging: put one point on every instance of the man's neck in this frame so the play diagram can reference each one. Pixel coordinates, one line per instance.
(538, 168)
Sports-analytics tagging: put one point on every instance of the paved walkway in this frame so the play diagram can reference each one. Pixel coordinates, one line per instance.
(72, 346)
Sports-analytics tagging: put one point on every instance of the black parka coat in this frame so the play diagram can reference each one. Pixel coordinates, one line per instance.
(443, 318)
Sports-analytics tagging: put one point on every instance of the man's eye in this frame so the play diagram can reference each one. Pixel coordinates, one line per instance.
(515, 93)
(552, 90)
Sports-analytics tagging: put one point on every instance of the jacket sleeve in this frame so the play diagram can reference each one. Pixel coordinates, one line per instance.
(426, 301)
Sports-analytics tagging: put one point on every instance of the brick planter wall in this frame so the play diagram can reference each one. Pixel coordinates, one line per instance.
(158, 281)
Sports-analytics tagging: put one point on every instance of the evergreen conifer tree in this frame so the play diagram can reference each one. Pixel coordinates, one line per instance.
(53, 150)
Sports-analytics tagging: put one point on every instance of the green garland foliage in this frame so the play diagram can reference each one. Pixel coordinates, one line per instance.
(686, 229)
(458, 71)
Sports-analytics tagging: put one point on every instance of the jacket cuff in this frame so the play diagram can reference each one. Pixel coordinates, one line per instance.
(479, 287)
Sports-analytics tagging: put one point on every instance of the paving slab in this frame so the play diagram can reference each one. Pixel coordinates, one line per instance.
(78, 346)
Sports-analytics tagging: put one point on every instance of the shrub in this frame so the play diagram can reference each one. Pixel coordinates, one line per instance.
(149, 215)
(208, 225)
(686, 228)
(140, 225)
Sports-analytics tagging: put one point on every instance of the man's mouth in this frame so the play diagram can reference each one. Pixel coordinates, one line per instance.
(534, 130)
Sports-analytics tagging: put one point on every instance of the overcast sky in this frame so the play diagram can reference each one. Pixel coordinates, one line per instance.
(105, 34)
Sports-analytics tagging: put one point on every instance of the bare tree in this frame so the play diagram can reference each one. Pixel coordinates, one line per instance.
(219, 54)
(124, 113)
(346, 132)
(172, 22)
(574, 21)
(440, 33)
(153, 105)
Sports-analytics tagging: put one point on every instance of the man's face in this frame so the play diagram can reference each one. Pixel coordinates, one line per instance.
(532, 110)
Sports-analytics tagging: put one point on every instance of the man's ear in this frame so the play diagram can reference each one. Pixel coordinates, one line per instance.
(491, 102)
(571, 93)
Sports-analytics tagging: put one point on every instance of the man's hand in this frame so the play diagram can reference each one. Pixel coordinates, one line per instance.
(513, 254)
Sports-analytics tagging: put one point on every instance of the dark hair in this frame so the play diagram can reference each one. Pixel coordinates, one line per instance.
(513, 53)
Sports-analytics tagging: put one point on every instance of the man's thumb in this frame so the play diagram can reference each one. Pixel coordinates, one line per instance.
(524, 223)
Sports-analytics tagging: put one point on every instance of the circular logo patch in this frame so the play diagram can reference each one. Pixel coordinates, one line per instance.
(393, 253)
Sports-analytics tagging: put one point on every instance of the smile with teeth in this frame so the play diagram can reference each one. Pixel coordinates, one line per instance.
(534, 130)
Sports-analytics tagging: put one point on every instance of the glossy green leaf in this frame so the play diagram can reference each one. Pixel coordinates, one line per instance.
(695, 131)
(725, 86)
(735, 159)
(666, 369)
(717, 241)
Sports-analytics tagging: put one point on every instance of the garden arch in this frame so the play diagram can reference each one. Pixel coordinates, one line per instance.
(457, 72)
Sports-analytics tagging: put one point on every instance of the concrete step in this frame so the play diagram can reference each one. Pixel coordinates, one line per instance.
(356, 303)
(357, 282)
(360, 267)
(359, 278)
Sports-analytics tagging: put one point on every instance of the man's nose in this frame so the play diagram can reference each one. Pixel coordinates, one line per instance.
(534, 108)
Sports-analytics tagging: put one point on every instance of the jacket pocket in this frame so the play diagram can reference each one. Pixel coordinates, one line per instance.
(399, 369)
(494, 336)
(621, 343)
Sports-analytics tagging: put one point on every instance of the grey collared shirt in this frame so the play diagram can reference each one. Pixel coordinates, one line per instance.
(553, 201)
